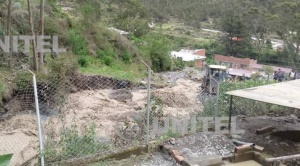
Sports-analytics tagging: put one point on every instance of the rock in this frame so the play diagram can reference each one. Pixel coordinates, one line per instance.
(293, 116)
(121, 95)
(235, 136)
(122, 84)
(2, 110)
(144, 83)
(158, 85)
(289, 120)
(138, 108)
(284, 143)
(172, 141)
(73, 89)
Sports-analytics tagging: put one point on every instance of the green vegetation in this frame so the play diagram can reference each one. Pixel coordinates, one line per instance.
(119, 70)
(5, 159)
(239, 21)
(4, 90)
(73, 144)
(158, 47)
(230, 86)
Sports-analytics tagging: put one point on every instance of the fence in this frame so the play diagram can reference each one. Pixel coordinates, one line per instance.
(251, 108)
(84, 116)
(80, 116)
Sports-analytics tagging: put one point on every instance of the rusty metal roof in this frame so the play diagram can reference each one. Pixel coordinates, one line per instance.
(284, 94)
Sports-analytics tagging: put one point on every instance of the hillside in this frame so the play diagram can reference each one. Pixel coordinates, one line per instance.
(84, 30)
(95, 100)
(154, 29)
(246, 20)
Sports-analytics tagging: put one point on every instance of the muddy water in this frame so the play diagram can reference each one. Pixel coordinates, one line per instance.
(246, 163)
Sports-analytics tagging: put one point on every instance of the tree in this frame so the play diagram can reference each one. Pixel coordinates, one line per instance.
(236, 37)
(286, 23)
(35, 59)
(132, 17)
(9, 31)
(259, 26)
(42, 9)
(232, 22)
(158, 47)
(268, 71)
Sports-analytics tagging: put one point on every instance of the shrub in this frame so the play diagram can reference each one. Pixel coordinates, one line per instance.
(82, 61)
(22, 80)
(107, 60)
(178, 64)
(229, 86)
(107, 57)
(126, 58)
(78, 145)
(100, 54)
(63, 66)
(77, 41)
(73, 144)
(158, 48)
(5, 159)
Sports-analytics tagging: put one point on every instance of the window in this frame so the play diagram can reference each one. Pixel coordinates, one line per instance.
(243, 66)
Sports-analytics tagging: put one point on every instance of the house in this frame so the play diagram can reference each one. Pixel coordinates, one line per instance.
(233, 62)
(198, 56)
(236, 39)
(244, 66)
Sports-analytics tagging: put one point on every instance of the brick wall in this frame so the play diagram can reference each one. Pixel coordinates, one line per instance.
(200, 52)
(235, 62)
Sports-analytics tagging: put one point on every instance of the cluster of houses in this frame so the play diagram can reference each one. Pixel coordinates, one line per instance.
(241, 67)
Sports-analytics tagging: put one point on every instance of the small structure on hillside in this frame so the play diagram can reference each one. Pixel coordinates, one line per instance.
(244, 66)
(198, 56)
(121, 32)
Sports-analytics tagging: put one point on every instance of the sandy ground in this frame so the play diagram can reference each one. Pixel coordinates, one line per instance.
(97, 107)
(109, 109)
(19, 136)
(106, 108)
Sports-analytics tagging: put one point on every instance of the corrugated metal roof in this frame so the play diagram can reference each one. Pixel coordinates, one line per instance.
(218, 67)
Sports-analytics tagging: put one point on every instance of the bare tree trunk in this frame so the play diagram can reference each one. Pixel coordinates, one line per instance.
(35, 59)
(41, 57)
(9, 32)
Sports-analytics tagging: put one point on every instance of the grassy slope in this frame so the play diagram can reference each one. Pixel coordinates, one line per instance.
(186, 36)
(5, 88)
(118, 70)
(182, 36)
